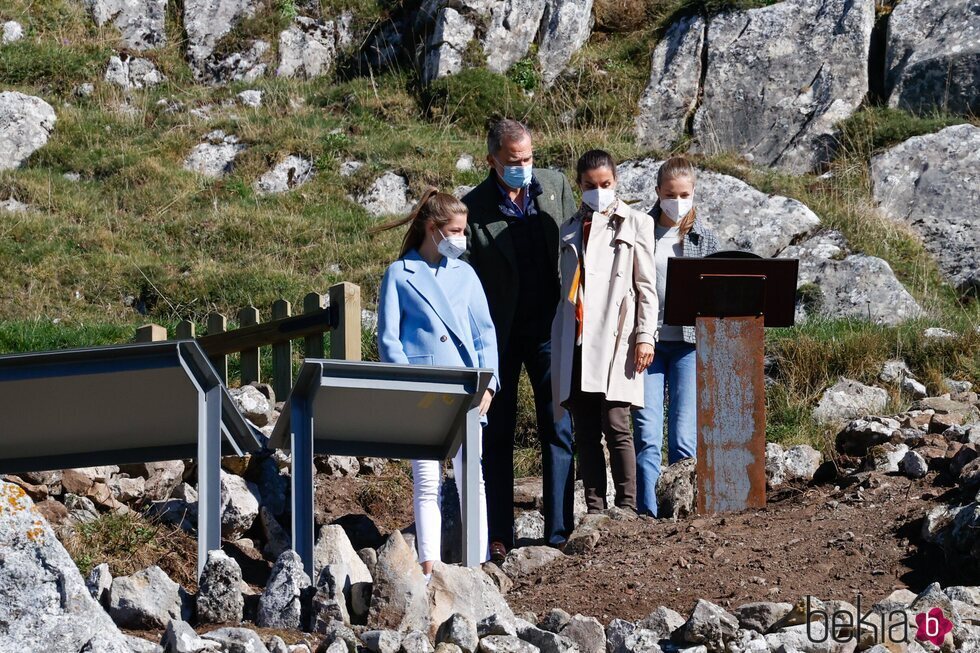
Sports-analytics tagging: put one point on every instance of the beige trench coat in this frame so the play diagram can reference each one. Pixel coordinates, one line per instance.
(620, 305)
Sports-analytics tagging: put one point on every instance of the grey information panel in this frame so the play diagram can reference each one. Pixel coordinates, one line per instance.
(122, 404)
(387, 411)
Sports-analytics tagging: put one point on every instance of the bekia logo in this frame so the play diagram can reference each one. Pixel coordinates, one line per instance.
(932, 626)
(842, 625)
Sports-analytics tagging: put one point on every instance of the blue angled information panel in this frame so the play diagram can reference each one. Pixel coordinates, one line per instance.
(382, 410)
(123, 404)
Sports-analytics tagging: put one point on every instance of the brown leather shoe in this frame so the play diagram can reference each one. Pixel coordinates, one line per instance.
(497, 551)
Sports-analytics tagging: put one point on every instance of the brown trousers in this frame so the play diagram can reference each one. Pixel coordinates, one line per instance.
(595, 418)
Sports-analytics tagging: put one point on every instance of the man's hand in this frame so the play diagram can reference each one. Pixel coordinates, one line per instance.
(644, 357)
(485, 402)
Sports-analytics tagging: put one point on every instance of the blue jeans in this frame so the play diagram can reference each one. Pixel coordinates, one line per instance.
(534, 355)
(675, 363)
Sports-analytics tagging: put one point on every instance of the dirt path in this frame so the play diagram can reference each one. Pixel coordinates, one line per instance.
(827, 542)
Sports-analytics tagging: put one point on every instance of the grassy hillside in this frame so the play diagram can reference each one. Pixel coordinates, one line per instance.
(139, 239)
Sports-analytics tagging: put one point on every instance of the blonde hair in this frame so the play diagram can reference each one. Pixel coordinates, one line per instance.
(433, 205)
(678, 167)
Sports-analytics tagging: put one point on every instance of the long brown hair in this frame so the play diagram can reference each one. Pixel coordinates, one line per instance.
(433, 205)
(673, 168)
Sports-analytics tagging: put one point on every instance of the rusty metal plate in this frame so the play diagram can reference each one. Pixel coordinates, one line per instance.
(731, 462)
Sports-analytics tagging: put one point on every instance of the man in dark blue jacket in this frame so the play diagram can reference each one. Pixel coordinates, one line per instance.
(512, 243)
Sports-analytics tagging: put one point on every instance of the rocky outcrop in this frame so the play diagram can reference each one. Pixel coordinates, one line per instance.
(932, 184)
(140, 22)
(388, 195)
(25, 123)
(776, 80)
(848, 285)
(44, 604)
(565, 28)
(742, 217)
(933, 56)
(501, 32)
(309, 47)
(671, 96)
(206, 22)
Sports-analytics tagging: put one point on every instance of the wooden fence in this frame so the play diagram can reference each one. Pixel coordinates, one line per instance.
(338, 312)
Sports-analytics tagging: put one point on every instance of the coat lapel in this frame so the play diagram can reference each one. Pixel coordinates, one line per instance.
(425, 284)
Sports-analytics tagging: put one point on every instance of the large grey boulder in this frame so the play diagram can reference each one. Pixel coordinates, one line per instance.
(215, 156)
(282, 602)
(932, 183)
(848, 285)
(526, 559)
(388, 195)
(179, 637)
(459, 629)
(565, 27)
(219, 595)
(237, 640)
(292, 172)
(25, 123)
(504, 31)
(741, 216)
(140, 22)
(400, 598)
(207, 21)
(308, 48)
(245, 65)
(779, 78)
(848, 399)
(44, 603)
(709, 625)
(239, 505)
(587, 633)
(333, 547)
(146, 599)
(469, 592)
(933, 56)
(672, 93)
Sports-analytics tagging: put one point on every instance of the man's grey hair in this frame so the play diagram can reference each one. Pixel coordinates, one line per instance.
(505, 131)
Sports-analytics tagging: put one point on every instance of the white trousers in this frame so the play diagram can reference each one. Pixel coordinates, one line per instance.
(427, 477)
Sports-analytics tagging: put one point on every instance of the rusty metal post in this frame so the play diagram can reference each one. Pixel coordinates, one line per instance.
(731, 460)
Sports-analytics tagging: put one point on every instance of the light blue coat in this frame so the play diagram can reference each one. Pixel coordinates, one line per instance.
(444, 322)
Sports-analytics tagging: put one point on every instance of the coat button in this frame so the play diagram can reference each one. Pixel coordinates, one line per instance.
(443, 339)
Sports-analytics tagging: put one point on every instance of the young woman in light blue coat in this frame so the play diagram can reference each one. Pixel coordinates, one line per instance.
(432, 311)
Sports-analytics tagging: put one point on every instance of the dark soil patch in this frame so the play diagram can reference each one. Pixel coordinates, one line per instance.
(825, 541)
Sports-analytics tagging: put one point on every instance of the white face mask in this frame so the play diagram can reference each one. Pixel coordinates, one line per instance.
(599, 199)
(451, 246)
(677, 209)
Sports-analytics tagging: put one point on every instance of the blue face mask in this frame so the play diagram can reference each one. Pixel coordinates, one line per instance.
(516, 176)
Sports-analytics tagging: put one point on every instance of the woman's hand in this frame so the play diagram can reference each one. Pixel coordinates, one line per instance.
(644, 357)
(485, 402)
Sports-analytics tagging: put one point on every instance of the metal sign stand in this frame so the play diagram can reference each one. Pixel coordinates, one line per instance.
(729, 300)
(387, 411)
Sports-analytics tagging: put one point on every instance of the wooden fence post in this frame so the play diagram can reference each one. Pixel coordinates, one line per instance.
(218, 323)
(345, 304)
(150, 333)
(282, 354)
(314, 344)
(250, 357)
(185, 330)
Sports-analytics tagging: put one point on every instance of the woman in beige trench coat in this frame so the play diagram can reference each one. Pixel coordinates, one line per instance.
(605, 328)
